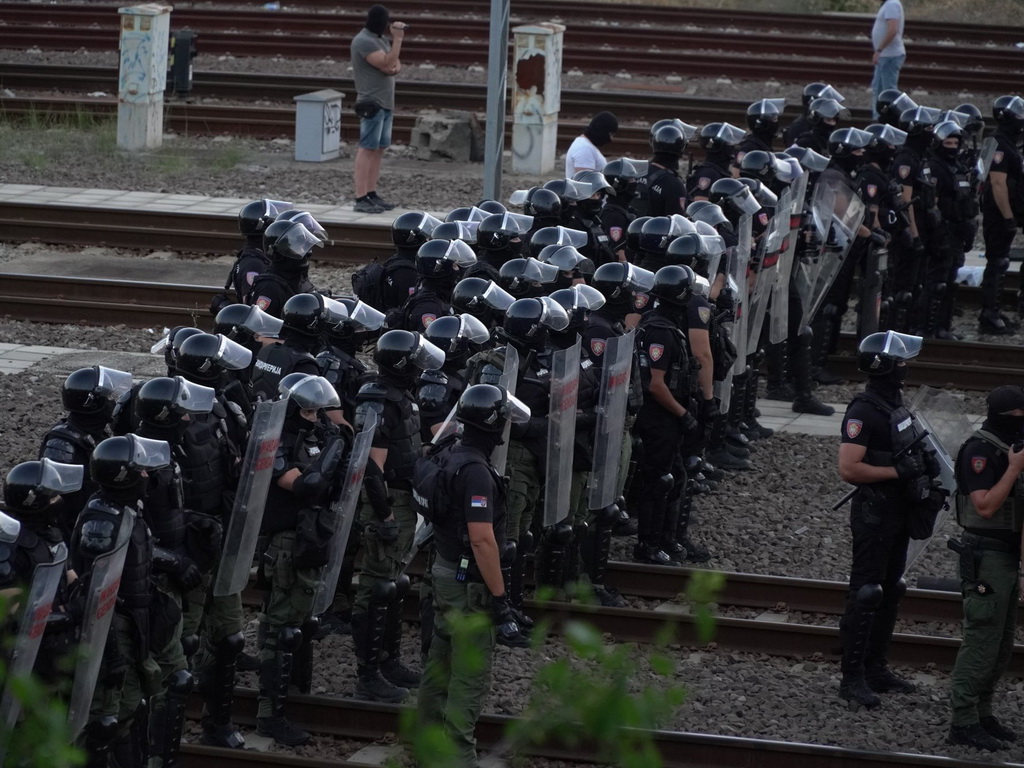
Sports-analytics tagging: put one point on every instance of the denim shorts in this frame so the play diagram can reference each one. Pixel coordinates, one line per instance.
(375, 132)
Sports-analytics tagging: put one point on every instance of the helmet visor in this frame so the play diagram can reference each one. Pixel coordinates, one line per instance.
(112, 383)
(262, 323)
(366, 316)
(710, 213)
(828, 92)
(787, 169)
(948, 128)
(730, 134)
(680, 225)
(305, 218)
(466, 230)
(296, 242)
(638, 280)
(334, 311)
(311, 392)
(1015, 106)
(635, 169)
(193, 398)
(56, 478)
(902, 103)
(232, 355)
(565, 257)
(578, 190)
(427, 356)
(516, 410)
(161, 345)
(460, 253)
(765, 197)
(890, 135)
(960, 118)
(554, 315)
(519, 223)
(746, 202)
(472, 329)
(902, 346)
(518, 197)
(811, 160)
(701, 286)
(566, 236)
(588, 297)
(274, 208)
(539, 272)
(497, 297)
(149, 454)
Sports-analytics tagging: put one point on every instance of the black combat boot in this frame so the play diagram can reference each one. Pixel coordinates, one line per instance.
(777, 363)
(695, 551)
(825, 325)
(650, 521)
(718, 453)
(976, 736)
(392, 667)
(854, 630)
(218, 689)
(805, 401)
(167, 718)
(997, 729)
(302, 663)
(275, 676)
(369, 628)
(754, 431)
(594, 551)
(879, 677)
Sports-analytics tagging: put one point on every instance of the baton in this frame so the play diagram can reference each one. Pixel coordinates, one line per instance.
(897, 455)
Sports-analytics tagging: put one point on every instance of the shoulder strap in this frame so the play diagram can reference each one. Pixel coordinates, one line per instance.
(877, 402)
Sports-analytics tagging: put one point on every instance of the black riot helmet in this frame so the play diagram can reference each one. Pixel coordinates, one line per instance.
(172, 343)
(456, 230)
(823, 110)
(443, 259)
(94, 390)
(883, 145)
(403, 354)
(413, 229)
(484, 299)
(255, 217)
(633, 232)
(763, 117)
(577, 301)
(846, 142)
(560, 236)
(719, 137)
(975, 125)
(708, 212)
(528, 321)
(668, 139)
(305, 218)
(161, 404)
(734, 194)
(758, 164)
(118, 462)
(289, 242)
(230, 322)
(543, 204)
(814, 91)
(1008, 112)
(884, 106)
(619, 282)
(685, 249)
(919, 120)
(520, 276)
(491, 206)
(32, 485)
(307, 391)
(501, 232)
(457, 336)
(622, 175)
(360, 324)
(673, 285)
(655, 235)
(879, 353)
(306, 314)
(489, 408)
(205, 357)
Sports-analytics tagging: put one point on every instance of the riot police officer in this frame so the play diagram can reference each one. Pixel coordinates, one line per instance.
(1002, 204)
(719, 142)
(618, 212)
(662, 192)
(499, 238)
(128, 673)
(251, 260)
(386, 514)
(438, 391)
(801, 125)
(298, 529)
(484, 299)
(345, 339)
(881, 454)
(469, 517)
(288, 245)
(990, 507)
(88, 395)
(408, 232)
(440, 264)
(763, 124)
(823, 118)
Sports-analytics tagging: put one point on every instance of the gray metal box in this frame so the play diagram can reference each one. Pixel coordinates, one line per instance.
(318, 126)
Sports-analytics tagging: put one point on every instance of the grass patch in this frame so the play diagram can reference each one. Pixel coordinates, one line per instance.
(227, 157)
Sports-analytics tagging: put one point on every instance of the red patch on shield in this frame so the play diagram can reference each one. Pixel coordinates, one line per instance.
(978, 464)
(263, 302)
(597, 346)
(640, 301)
(615, 233)
(853, 428)
(427, 319)
(872, 190)
(904, 171)
(656, 351)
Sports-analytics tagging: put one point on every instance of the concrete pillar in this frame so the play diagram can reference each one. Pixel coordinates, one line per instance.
(145, 37)
(536, 96)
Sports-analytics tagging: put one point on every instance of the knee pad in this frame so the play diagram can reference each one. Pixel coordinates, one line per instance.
(101, 732)
(509, 553)
(289, 639)
(189, 645)
(664, 483)
(310, 627)
(939, 290)
(558, 534)
(899, 589)
(230, 646)
(525, 544)
(180, 682)
(806, 333)
(579, 531)
(402, 586)
(904, 299)
(870, 596)
(607, 515)
(1001, 264)
(829, 311)
(383, 592)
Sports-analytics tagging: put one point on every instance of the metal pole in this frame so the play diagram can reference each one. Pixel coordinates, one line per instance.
(497, 76)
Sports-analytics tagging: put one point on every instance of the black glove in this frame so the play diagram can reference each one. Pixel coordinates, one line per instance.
(910, 466)
(688, 423)
(932, 467)
(917, 247)
(710, 409)
(204, 535)
(310, 486)
(508, 630)
(387, 530)
(878, 237)
(1011, 226)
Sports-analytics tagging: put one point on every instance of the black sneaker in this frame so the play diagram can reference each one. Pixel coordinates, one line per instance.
(221, 735)
(282, 731)
(997, 729)
(812, 405)
(825, 377)
(695, 551)
(650, 553)
(887, 681)
(624, 526)
(381, 203)
(974, 735)
(856, 691)
(367, 206)
(373, 686)
(609, 597)
(396, 672)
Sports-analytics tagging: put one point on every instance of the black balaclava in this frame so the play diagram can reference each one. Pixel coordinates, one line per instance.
(890, 385)
(474, 437)
(1000, 400)
(602, 126)
(848, 163)
(674, 312)
(129, 496)
(882, 154)
(305, 342)
(919, 142)
(290, 269)
(1010, 428)
(377, 19)
(617, 308)
(93, 423)
(668, 160)
(172, 434)
(722, 157)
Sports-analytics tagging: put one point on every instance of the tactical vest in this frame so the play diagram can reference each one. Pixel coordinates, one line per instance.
(405, 438)
(134, 593)
(164, 510)
(248, 259)
(960, 203)
(18, 558)
(270, 276)
(273, 363)
(681, 377)
(452, 533)
(903, 430)
(635, 398)
(201, 459)
(1009, 516)
(345, 373)
(644, 190)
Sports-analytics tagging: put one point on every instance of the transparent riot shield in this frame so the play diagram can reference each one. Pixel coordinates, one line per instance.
(565, 380)
(34, 610)
(343, 511)
(988, 151)
(448, 427)
(948, 428)
(779, 330)
(247, 514)
(768, 272)
(508, 380)
(739, 259)
(847, 213)
(104, 581)
(611, 419)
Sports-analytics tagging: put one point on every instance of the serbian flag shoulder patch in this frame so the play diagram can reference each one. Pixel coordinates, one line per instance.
(978, 464)
(853, 428)
(479, 502)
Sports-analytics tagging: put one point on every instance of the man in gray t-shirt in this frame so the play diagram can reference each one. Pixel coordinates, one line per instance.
(374, 66)
(887, 39)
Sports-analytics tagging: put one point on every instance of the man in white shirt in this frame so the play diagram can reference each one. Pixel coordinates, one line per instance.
(584, 153)
(887, 39)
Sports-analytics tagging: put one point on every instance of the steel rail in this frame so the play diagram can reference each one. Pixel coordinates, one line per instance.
(431, 29)
(590, 58)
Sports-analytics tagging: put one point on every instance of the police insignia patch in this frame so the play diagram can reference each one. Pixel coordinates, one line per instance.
(263, 302)
(656, 351)
(641, 300)
(250, 276)
(853, 428)
(597, 346)
(763, 218)
(427, 319)
(978, 464)
(998, 157)
(704, 313)
(872, 190)
(904, 171)
(682, 203)
(615, 233)
(704, 182)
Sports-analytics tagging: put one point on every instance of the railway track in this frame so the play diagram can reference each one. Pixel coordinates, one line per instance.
(359, 719)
